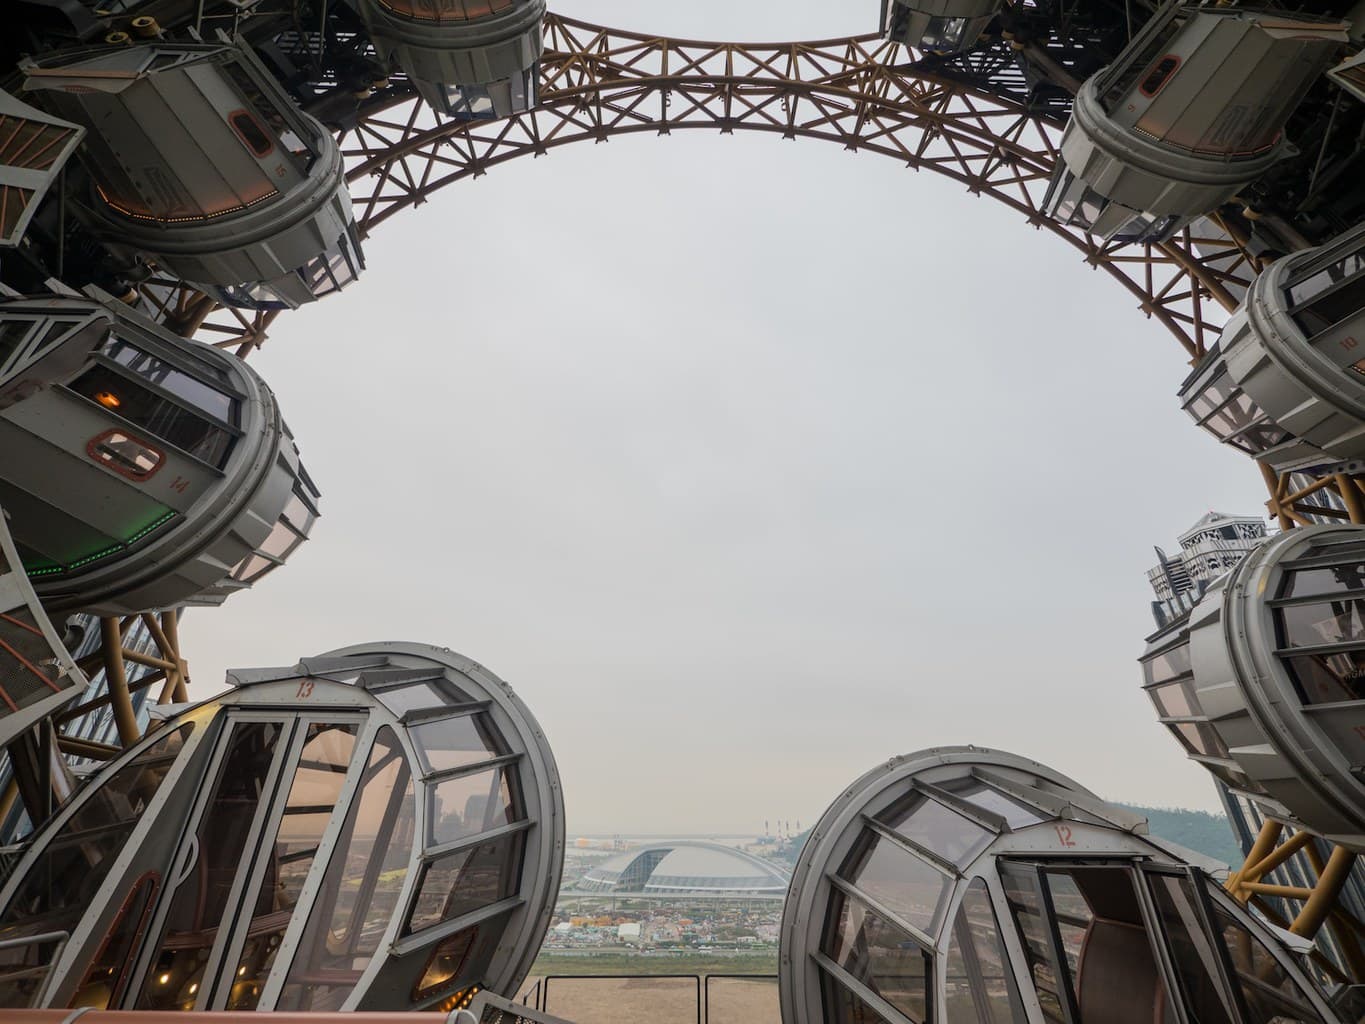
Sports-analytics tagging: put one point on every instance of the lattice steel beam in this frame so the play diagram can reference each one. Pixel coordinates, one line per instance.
(861, 93)
(1312, 908)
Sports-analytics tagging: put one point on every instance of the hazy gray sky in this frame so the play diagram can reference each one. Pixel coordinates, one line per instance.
(749, 462)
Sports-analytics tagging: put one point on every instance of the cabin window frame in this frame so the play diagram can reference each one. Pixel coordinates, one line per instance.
(255, 123)
(92, 450)
(1165, 77)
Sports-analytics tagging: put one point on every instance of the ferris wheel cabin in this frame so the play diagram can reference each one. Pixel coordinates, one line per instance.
(142, 470)
(468, 59)
(967, 884)
(1193, 110)
(1264, 684)
(199, 160)
(378, 828)
(937, 26)
(1286, 384)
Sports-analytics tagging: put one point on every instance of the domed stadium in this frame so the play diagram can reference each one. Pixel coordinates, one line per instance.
(687, 868)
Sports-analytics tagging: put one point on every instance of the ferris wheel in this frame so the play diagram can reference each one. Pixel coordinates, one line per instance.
(382, 827)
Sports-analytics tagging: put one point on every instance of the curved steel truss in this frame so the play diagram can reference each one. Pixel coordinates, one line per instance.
(861, 93)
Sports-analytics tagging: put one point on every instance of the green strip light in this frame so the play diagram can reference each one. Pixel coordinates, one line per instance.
(55, 570)
(148, 529)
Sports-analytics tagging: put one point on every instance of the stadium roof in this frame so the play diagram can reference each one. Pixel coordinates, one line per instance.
(692, 867)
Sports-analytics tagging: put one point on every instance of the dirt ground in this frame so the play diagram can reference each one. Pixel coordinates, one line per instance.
(589, 1000)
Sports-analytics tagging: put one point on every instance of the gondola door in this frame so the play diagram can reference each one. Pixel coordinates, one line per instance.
(241, 861)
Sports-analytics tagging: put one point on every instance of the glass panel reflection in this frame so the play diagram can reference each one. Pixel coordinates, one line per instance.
(1168, 665)
(188, 431)
(200, 902)
(903, 883)
(360, 891)
(1268, 993)
(1199, 739)
(1016, 814)
(1334, 580)
(935, 827)
(194, 391)
(468, 805)
(1304, 287)
(1324, 679)
(1307, 625)
(313, 796)
(62, 884)
(980, 985)
(1328, 678)
(845, 1007)
(1175, 700)
(1195, 959)
(1332, 307)
(881, 956)
(463, 882)
(78, 858)
(419, 697)
(452, 743)
(1024, 894)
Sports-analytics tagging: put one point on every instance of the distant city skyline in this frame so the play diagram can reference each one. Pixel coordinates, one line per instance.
(750, 463)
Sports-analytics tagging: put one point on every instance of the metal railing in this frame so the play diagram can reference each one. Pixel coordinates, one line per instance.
(628, 998)
(31, 980)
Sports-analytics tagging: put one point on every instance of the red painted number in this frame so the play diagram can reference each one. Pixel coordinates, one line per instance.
(305, 689)
(1064, 835)
(1349, 343)
(179, 485)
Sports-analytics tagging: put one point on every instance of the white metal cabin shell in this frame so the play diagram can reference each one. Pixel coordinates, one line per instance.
(1192, 111)
(468, 59)
(200, 160)
(142, 470)
(1286, 383)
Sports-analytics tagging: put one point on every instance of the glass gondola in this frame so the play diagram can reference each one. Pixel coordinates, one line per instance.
(1191, 111)
(379, 828)
(1264, 683)
(142, 470)
(1286, 383)
(963, 885)
(468, 59)
(244, 195)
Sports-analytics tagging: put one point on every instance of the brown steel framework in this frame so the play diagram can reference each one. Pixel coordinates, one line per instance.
(867, 96)
(167, 667)
(1320, 905)
(861, 93)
